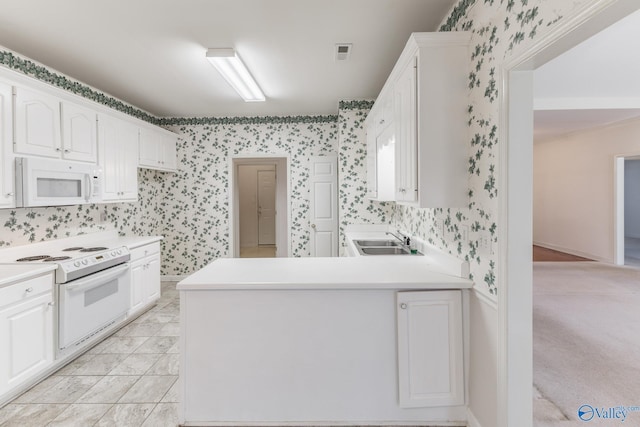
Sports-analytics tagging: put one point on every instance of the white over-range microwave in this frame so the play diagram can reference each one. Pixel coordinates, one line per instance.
(51, 182)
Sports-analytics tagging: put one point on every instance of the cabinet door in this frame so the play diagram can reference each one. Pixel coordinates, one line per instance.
(79, 133)
(118, 157)
(137, 285)
(405, 99)
(128, 170)
(430, 349)
(372, 174)
(26, 340)
(152, 278)
(7, 178)
(37, 123)
(170, 155)
(109, 157)
(149, 153)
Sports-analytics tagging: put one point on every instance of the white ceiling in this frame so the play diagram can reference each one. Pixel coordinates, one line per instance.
(151, 53)
(595, 84)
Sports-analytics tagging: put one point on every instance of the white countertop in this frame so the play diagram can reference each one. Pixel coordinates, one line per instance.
(388, 272)
(13, 273)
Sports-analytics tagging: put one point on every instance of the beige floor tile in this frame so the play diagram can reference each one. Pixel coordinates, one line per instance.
(140, 330)
(108, 390)
(80, 415)
(171, 329)
(175, 349)
(68, 389)
(164, 414)
(135, 364)
(173, 395)
(73, 366)
(32, 415)
(100, 364)
(154, 317)
(126, 415)
(122, 345)
(157, 345)
(36, 391)
(149, 389)
(168, 364)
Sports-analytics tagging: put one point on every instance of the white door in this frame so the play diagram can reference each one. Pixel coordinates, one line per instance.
(266, 207)
(37, 123)
(324, 205)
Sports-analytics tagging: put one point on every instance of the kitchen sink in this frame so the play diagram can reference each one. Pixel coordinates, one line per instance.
(378, 243)
(384, 251)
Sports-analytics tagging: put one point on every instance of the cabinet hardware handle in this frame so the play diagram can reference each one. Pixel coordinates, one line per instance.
(67, 150)
(9, 194)
(28, 290)
(51, 304)
(403, 306)
(382, 121)
(58, 149)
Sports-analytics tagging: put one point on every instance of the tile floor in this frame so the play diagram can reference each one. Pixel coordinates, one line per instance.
(129, 379)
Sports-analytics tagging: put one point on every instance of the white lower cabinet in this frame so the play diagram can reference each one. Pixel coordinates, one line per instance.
(430, 349)
(145, 276)
(26, 331)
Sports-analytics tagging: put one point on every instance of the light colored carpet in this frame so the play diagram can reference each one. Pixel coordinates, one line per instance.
(586, 340)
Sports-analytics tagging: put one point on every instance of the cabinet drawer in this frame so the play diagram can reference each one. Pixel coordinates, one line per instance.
(26, 289)
(146, 250)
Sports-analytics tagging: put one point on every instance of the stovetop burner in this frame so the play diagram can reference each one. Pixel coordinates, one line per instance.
(56, 258)
(33, 258)
(97, 248)
(75, 248)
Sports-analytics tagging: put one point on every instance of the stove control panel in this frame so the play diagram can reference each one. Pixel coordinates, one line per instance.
(83, 266)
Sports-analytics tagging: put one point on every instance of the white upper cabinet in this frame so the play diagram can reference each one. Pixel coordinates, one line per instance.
(380, 152)
(118, 158)
(428, 89)
(46, 126)
(157, 149)
(7, 178)
(37, 123)
(79, 133)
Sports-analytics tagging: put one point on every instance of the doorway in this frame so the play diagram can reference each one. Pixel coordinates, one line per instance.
(259, 207)
(515, 159)
(628, 210)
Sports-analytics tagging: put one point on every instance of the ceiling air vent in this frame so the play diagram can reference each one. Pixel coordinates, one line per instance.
(343, 51)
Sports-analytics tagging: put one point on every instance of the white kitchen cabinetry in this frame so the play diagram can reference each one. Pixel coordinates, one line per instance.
(118, 158)
(380, 152)
(26, 330)
(145, 276)
(429, 91)
(79, 133)
(157, 150)
(37, 123)
(7, 178)
(430, 348)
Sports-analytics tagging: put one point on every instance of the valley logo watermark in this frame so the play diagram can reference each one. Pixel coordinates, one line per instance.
(588, 413)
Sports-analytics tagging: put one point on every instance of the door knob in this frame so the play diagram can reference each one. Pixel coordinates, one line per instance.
(313, 226)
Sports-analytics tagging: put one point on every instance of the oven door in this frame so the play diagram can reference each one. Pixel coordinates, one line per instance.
(92, 303)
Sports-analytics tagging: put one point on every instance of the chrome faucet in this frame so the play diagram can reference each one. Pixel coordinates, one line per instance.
(404, 240)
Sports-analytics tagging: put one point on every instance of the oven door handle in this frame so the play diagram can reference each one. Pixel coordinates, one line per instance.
(97, 279)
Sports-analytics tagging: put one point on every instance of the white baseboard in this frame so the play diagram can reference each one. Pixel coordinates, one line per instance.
(472, 421)
(571, 252)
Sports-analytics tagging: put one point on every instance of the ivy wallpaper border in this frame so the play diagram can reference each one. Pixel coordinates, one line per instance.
(247, 120)
(355, 105)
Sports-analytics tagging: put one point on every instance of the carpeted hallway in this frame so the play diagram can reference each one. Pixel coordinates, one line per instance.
(586, 341)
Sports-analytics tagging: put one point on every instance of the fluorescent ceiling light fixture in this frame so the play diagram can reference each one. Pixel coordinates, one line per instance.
(228, 63)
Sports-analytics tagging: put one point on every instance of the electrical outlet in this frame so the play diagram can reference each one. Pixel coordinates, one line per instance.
(464, 233)
(484, 242)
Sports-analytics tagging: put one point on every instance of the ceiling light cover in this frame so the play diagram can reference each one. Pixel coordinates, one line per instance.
(228, 63)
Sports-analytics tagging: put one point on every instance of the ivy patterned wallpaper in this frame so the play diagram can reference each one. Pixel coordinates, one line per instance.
(190, 207)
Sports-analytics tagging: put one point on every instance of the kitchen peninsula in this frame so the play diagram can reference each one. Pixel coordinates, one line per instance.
(348, 341)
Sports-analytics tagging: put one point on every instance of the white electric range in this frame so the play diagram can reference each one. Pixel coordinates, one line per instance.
(92, 285)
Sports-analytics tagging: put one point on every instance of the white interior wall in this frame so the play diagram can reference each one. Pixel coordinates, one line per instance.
(573, 191)
(248, 202)
(632, 198)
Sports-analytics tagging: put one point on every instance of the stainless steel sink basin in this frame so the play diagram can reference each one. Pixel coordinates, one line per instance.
(377, 243)
(384, 251)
